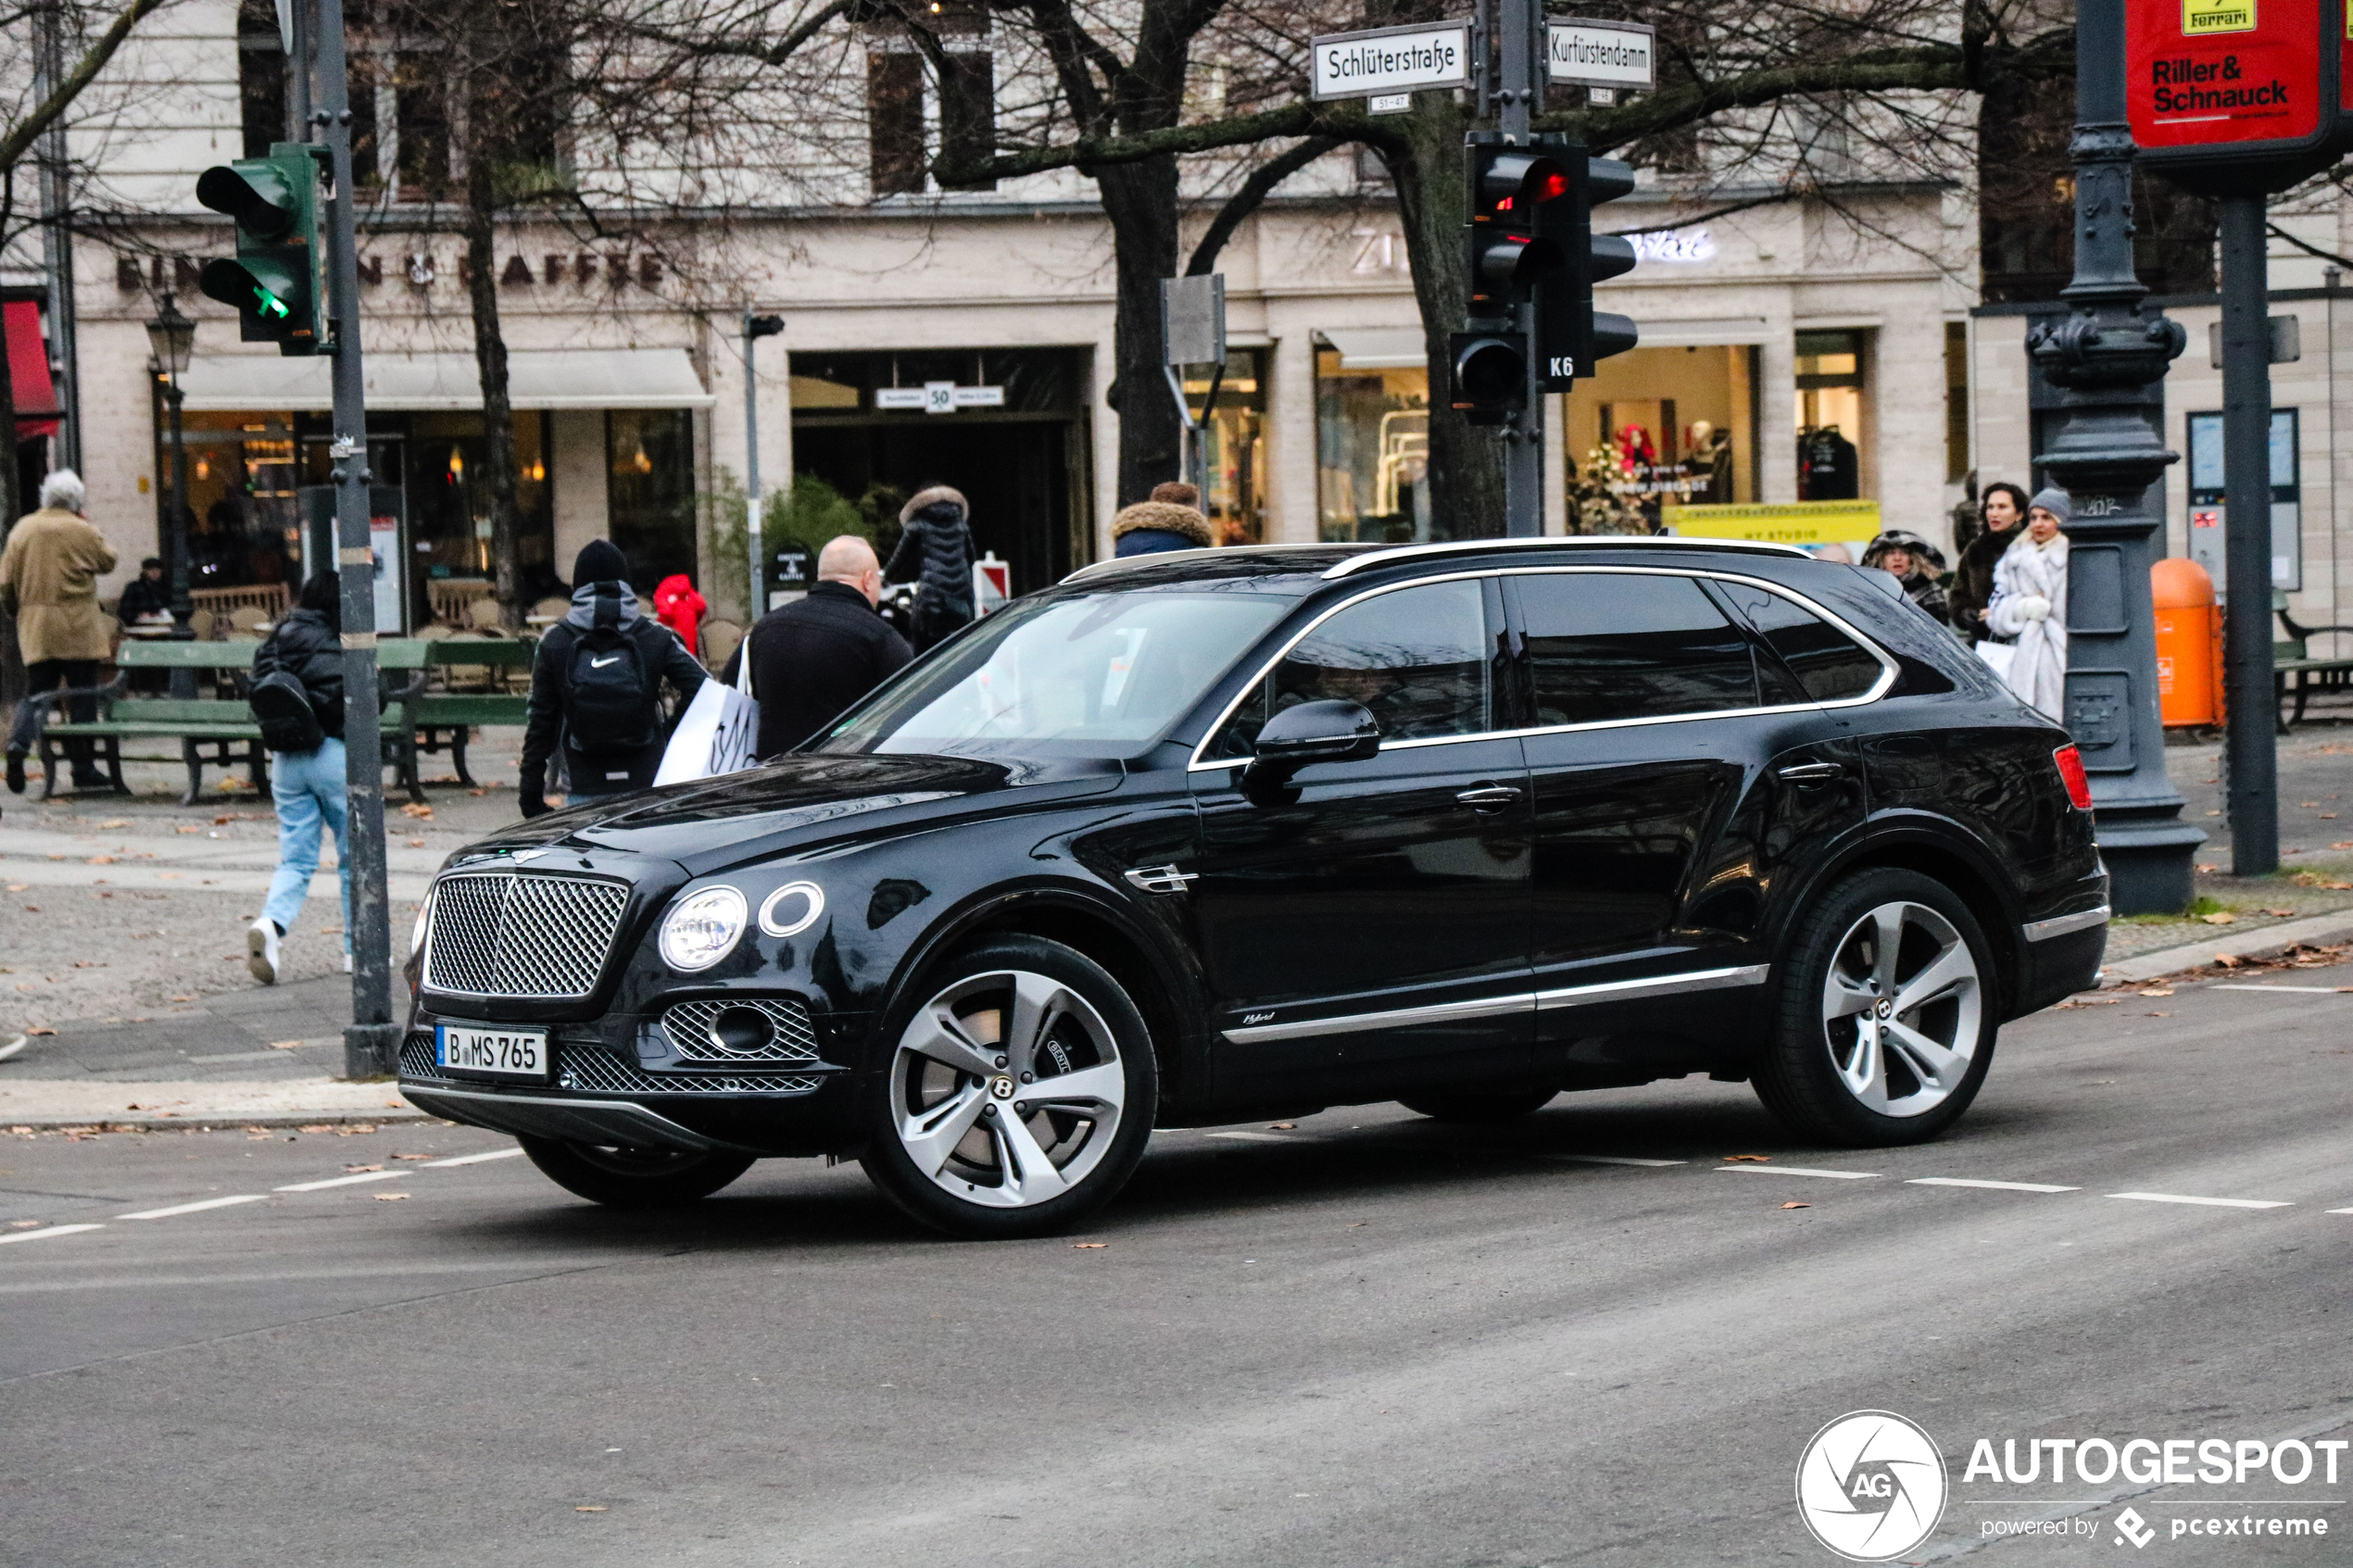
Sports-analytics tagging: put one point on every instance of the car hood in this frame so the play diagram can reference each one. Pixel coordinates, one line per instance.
(800, 801)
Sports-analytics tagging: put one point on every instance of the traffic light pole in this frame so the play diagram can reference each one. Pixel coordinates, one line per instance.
(2251, 763)
(1519, 24)
(370, 1045)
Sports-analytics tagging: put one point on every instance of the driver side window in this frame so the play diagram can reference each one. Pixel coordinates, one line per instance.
(1418, 657)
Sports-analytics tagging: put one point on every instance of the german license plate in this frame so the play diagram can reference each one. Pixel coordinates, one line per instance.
(495, 1053)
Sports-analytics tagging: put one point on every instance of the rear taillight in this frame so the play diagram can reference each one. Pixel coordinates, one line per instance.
(2071, 767)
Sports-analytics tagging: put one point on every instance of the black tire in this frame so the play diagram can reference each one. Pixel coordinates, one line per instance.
(1808, 1074)
(977, 1189)
(622, 1177)
(1480, 1106)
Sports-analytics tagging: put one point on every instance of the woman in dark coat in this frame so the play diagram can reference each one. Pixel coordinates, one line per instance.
(936, 551)
(2003, 506)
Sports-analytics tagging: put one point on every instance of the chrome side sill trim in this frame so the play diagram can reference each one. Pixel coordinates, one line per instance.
(1662, 986)
(1500, 1007)
(2062, 925)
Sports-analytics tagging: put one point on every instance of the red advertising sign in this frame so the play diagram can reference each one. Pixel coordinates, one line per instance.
(2208, 80)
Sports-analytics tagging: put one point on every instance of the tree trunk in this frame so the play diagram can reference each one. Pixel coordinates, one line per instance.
(1465, 461)
(1141, 200)
(490, 361)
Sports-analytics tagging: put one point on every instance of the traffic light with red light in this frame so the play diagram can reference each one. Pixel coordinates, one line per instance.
(1571, 336)
(1513, 192)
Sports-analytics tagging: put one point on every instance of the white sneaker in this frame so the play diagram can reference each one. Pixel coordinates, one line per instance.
(346, 963)
(261, 950)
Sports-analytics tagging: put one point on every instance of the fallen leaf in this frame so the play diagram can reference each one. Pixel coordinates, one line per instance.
(1756, 1158)
(317, 1127)
(100, 860)
(115, 822)
(477, 792)
(2222, 916)
(32, 909)
(390, 1196)
(416, 844)
(283, 1045)
(187, 830)
(1795, 1205)
(2159, 1015)
(18, 887)
(357, 1170)
(2281, 914)
(1285, 1126)
(37, 1029)
(217, 822)
(2159, 991)
(188, 998)
(413, 810)
(412, 1156)
(2210, 869)
(2229, 961)
(23, 1224)
(586, 1507)
(1089, 1245)
(2328, 816)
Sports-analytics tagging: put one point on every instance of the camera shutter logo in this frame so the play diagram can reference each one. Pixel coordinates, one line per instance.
(1871, 1485)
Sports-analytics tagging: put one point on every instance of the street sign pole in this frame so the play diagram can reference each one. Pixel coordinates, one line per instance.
(2251, 758)
(370, 1047)
(1519, 25)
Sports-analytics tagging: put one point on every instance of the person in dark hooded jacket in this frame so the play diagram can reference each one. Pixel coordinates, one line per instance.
(1172, 520)
(936, 551)
(308, 787)
(595, 687)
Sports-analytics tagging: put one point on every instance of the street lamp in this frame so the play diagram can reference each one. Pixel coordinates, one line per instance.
(173, 339)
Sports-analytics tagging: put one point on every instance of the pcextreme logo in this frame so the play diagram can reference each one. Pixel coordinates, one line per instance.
(1871, 1485)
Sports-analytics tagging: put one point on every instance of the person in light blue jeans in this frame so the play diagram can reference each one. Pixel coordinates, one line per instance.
(307, 786)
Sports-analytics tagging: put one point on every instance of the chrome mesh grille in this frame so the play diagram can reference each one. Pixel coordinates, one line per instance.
(498, 933)
(792, 1037)
(416, 1056)
(586, 1067)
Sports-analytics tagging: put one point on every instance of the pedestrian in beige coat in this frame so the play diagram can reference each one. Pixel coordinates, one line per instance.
(49, 576)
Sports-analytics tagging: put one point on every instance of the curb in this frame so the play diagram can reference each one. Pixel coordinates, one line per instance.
(210, 1122)
(2314, 931)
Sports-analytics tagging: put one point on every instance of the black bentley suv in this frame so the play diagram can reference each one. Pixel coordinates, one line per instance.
(1207, 835)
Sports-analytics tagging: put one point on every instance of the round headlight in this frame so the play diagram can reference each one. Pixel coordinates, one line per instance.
(702, 928)
(792, 909)
(417, 932)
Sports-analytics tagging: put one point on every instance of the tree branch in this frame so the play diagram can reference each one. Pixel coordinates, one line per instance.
(27, 131)
(1254, 191)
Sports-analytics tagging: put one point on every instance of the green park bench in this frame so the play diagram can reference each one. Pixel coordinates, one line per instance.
(468, 681)
(221, 722)
(2292, 661)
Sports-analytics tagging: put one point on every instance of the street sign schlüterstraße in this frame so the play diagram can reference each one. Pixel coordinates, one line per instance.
(1392, 59)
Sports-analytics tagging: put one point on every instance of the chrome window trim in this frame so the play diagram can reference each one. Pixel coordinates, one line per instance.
(2065, 925)
(1197, 764)
(1584, 541)
(1505, 1005)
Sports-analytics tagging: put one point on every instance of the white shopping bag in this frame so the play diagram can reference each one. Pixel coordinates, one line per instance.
(1997, 657)
(716, 733)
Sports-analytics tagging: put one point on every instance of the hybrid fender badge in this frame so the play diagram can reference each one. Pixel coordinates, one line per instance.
(1871, 1485)
(1257, 1018)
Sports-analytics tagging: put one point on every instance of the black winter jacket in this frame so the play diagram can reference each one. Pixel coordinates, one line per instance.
(1972, 583)
(659, 650)
(304, 646)
(811, 659)
(937, 546)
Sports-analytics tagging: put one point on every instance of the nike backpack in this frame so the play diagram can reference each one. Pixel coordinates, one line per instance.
(612, 710)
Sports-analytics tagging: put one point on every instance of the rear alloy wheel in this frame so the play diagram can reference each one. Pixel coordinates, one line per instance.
(1887, 1015)
(627, 1177)
(1480, 1106)
(1019, 1094)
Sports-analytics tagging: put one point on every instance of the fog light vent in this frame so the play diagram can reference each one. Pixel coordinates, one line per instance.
(731, 1031)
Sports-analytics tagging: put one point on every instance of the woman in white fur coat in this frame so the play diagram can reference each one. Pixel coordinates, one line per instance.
(2029, 604)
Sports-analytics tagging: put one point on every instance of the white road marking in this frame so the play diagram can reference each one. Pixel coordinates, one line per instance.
(343, 1180)
(1994, 1186)
(475, 1159)
(192, 1207)
(2209, 1202)
(1253, 1138)
(2341, 1210)
(1801, 1171)
(2306, 990)
(53, 1230)
(1615, 1160)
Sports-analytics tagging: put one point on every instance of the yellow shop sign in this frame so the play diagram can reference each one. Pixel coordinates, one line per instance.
(1778, 522)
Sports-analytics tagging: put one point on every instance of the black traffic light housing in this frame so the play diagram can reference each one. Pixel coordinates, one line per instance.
(1511, 191)
(1571, 336)
(1489, 374)
(274, 282)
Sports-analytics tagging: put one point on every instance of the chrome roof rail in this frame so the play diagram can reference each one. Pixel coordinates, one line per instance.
(1584, 541)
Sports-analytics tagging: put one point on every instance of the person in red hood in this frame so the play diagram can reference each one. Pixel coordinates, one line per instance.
(678, 607)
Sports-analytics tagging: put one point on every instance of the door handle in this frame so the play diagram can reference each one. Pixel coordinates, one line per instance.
(1488, 797)
(1811, 773)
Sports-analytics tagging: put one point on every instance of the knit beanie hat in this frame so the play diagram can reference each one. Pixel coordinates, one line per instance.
(600, 560)
(2054, 501)
(1176, 493)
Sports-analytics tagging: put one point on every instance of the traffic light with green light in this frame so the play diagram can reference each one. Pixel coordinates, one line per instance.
(274, 282)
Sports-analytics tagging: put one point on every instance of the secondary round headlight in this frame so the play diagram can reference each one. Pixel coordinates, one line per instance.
(702, 928)
(792, 909)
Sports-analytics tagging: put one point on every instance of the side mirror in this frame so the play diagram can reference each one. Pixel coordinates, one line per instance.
(1311, 733)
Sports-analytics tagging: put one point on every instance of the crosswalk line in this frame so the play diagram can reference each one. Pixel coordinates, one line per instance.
(2206, 1202)
(1990, 1186)
(193, 1208)
(1802, 1171)
(42, 1234)
(1615, 1159)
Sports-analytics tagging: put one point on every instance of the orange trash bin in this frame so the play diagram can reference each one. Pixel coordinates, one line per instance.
(2189, 644)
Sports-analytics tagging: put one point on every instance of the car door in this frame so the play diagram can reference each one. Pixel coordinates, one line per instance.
(1656, 756)
(1365, 931)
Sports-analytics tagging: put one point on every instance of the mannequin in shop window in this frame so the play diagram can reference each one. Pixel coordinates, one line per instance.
(1708, 468)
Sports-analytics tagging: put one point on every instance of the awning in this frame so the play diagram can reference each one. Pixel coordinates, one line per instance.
(567, 378)
(1379, 348)
(1710, 334)
(35, 393)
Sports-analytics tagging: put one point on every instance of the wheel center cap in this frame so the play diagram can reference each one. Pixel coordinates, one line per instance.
(1886, 1007)
(1001, 1086)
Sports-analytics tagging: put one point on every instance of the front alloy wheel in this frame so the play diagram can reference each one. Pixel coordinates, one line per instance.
(1887, 1018)
(1019, 1096)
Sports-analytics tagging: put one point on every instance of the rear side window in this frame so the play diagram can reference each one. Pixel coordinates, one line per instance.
(1828, 663)
(1418, 657)
(1603, 646)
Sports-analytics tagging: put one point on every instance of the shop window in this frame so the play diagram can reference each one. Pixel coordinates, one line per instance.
(1659, 425)
(443, 464)
(1372, 453)
(1957, 463)
(968, 110)
(242, 522)
(649, 491)
(895, 122)
(1830, 415)
(421, 116)
(1236, 498)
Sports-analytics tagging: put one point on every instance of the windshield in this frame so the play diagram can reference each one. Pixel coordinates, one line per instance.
(1097, 676)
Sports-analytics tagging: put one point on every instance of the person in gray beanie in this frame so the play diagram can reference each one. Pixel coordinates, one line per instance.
(2030, 603)
(936, 551)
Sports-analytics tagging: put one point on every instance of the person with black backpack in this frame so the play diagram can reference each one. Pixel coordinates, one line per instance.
(298, 700)
(595, 687)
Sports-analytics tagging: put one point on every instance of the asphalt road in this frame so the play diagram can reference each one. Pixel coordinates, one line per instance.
(1371, 1339)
